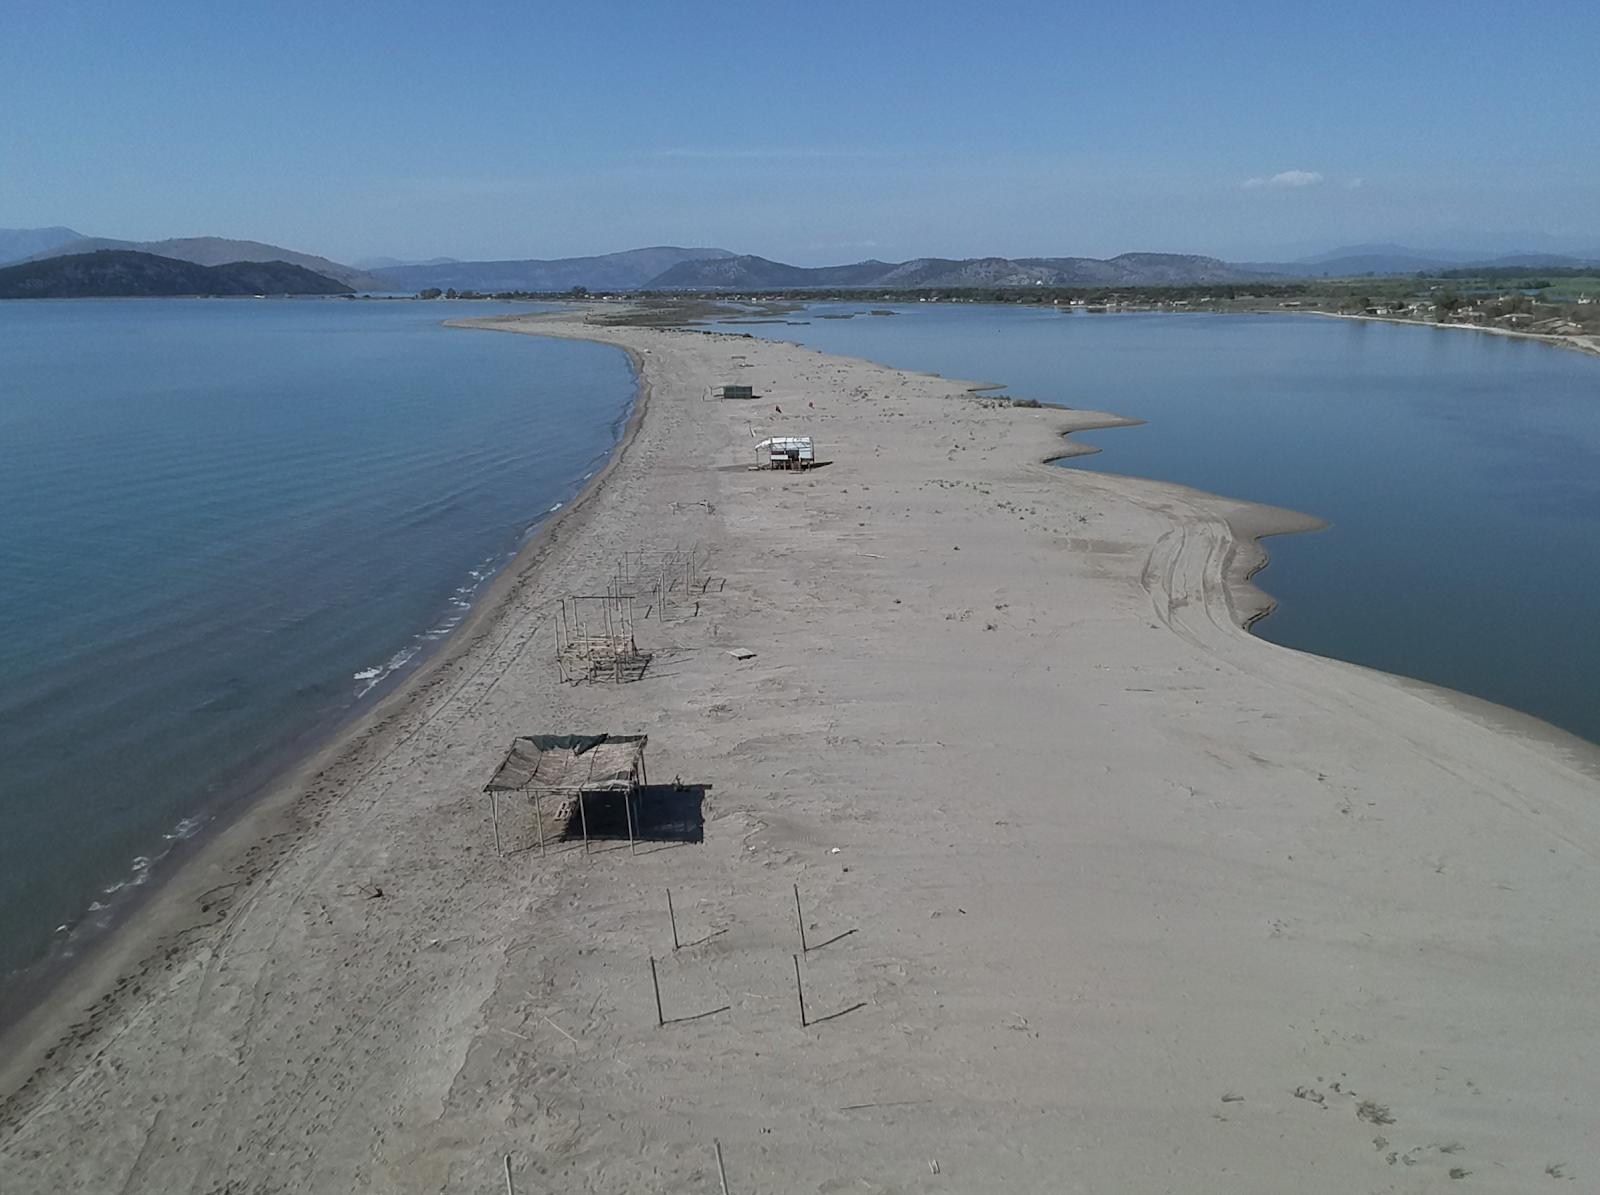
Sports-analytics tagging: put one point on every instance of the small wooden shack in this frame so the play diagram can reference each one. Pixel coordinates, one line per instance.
(786, 452)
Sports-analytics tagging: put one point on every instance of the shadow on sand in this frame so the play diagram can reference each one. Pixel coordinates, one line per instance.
(664, 813)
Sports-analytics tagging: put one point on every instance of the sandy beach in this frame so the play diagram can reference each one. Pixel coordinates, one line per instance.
(1102, 894)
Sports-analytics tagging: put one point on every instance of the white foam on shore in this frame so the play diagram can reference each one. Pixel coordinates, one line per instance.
(375, 676)
(139, 871)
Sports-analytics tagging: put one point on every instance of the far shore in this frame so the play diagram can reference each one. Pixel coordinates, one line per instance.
(1580, 344)
(1098, 890)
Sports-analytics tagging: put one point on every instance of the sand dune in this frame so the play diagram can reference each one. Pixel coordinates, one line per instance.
(1130, 901)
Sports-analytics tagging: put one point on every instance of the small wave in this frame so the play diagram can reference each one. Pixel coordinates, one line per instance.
(184, 829)
(395, 662)
(139, 871)
(443, 629)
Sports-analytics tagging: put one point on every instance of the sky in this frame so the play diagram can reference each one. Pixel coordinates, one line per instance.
(812, 133)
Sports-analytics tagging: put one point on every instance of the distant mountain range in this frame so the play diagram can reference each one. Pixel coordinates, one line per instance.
(633, 270)
(670, 267)
(123, 273)
(1356, 260)
(673, 269)
(757, 273)
(214, 251)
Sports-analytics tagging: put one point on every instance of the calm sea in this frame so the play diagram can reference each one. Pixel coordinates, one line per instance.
(1460, 471)
(225, 525)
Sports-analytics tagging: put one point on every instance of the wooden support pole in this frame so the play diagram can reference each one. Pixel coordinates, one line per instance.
(674, 918)
(722, 1174)
(509, 1189)
(656, 984)
(494, 812)
(583, 818)
(801, 919)
(627, 813)
(538, 816)
(798, 990)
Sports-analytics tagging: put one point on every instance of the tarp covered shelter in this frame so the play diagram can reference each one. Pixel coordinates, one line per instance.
(567, 766)
(786, 452)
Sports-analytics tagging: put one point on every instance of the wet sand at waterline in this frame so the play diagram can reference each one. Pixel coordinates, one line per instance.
(1129, 900)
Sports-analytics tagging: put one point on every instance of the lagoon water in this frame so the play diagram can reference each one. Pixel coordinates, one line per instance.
(1460, 472)
(226, 524)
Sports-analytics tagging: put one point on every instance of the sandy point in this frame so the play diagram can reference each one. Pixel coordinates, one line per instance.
(1098, 892)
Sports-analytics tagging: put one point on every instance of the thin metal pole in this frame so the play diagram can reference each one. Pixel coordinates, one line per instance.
(801, 918)
(674, 918)
(583, 817)
(656, 983)
(494, 809)
(627, 812)
(798, 990)
(722, 1174)
(538, 814)
(509, 1189)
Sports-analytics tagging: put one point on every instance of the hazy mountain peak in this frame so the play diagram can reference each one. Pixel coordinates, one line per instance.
(390, 263)
(17, 243)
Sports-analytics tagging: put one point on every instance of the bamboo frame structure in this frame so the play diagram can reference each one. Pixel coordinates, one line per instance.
(595, 639)
(670, 583)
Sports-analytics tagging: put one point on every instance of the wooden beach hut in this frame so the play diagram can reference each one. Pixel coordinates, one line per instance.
(565, 769)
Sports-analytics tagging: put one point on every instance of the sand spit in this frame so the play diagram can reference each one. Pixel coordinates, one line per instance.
(1103, 894)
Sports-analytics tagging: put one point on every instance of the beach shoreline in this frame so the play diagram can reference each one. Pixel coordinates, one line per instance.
(46, 1010)
(1100, 854)
(1588, 345)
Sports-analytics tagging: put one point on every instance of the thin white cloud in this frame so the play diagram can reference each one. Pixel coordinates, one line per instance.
(1289, 178)
(794, 152)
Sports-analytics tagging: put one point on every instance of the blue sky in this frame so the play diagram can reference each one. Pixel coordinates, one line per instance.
(813, 133)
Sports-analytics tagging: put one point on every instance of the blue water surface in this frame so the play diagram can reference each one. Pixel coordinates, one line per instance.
(1460, 471)
(225, 524)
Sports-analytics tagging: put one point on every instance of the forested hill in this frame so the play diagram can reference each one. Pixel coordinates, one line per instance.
(112, 273)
